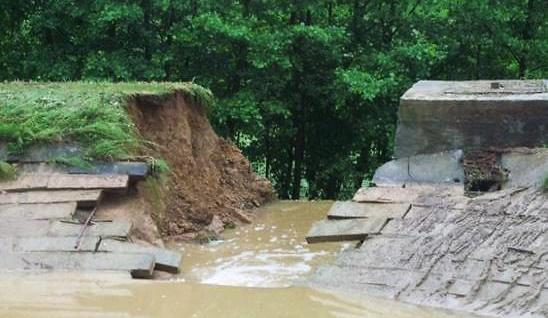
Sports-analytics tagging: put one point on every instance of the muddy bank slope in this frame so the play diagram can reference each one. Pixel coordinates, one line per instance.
(210, 184)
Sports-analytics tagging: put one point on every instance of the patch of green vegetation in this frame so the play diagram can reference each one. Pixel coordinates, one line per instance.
(545, 184)
(159, 166)
(7, 171)
(72, 161)
(90, 114)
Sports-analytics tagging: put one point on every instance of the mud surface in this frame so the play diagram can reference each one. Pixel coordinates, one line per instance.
(488, 254)
(211, 185)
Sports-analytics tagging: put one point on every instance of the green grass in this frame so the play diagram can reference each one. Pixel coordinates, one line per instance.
(7, 171)
(90, 114)
(545, 184)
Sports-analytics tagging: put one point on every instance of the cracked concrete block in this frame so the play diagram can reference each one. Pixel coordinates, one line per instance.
(525, 168)
(443, 167)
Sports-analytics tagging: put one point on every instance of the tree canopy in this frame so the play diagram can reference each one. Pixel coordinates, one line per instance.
(308, 89)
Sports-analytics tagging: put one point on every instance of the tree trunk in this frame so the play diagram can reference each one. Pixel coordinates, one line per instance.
(300, 122)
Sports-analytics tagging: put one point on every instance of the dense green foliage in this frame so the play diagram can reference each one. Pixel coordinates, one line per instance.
(307, 88)
(92, 115)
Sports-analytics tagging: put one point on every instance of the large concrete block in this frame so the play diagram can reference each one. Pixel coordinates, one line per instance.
(437, 116)
(443, 167)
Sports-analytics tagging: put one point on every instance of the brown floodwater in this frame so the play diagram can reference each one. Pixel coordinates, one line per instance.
(255, 271)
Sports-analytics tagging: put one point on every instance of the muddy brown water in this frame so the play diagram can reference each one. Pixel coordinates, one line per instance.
(258, 270)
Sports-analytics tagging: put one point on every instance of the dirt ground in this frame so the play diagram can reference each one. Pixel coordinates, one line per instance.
(210, 185)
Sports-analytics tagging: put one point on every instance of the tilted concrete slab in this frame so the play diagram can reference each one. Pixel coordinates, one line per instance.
(349, 209)
(165, 260)
(443, 167)
(37, 211)
(344, 230)
(436, 116)
(84, 198)
(139, 265)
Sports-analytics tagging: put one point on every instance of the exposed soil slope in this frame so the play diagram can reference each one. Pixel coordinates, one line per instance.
(211, 184)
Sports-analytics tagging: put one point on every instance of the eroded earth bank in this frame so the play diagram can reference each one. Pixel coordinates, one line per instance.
(210, 185)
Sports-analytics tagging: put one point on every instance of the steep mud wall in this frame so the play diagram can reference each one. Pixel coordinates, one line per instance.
(210, 184)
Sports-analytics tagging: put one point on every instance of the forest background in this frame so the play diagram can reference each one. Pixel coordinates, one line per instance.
(308, 89)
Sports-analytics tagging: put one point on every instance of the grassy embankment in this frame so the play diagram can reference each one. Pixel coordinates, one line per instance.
(91, 115)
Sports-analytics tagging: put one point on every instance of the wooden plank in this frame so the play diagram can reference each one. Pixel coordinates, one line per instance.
(84, 198)
(37, 211)
(349, 209)
(344, 230)
(139, 265)
(166, 260)
(83, 181)
(43, 228)
(387, 195)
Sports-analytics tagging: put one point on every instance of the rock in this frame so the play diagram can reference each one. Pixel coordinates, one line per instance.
(216, 226)
(241, 216)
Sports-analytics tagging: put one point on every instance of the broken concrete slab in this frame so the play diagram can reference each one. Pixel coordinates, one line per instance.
(443, 167)
(166, 260)
(349, 209)
(344, 230)
(436, 116)
(24, 183)
(135, 170)
(103, 229)
(139, 265)
(45, 228)
(37, 211)
(44, 153)
(84, 198)
(61, 181)
(14, 228)
(79, 181)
